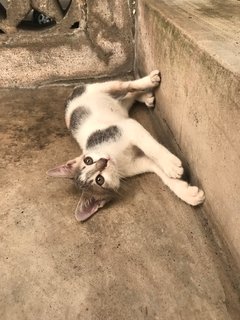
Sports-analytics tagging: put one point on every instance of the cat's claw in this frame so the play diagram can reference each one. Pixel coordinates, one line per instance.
(155, 78)
(172, 166)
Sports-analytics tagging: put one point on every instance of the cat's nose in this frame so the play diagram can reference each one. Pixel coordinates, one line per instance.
(101, 164)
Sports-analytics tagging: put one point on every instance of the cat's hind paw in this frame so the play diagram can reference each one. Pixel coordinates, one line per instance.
(147, 98)
(155, 78)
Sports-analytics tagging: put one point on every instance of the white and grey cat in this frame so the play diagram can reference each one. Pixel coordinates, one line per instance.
(115, 146)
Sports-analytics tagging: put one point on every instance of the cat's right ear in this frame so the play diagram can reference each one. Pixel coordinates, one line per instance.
(67, 170)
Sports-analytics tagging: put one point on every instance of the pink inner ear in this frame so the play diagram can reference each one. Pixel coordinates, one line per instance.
(85, 209)
(64, 171)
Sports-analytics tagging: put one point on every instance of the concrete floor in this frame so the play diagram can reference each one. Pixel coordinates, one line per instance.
(148, 256)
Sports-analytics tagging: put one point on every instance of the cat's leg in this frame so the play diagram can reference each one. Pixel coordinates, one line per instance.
(128, 100)
(141, 138)
(190, 194)
(121, 88)
(139, 165)
(147, 98)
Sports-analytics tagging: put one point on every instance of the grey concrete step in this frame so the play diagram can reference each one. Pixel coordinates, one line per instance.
(148, 256)
(196, 46)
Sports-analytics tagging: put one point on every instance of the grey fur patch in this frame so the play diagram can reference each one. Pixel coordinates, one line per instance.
(110, 134)
(134, 151)
(77, 92)
(78, 116)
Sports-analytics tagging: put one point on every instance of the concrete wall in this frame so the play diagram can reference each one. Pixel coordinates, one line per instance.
(199, 99)
(101, 46)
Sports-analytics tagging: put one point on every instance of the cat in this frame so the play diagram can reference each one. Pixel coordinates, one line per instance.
(115, 146)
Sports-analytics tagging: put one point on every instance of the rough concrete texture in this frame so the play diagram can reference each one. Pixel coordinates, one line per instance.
(148, 256)
(102, 45)
(17, 11)
(195, 44)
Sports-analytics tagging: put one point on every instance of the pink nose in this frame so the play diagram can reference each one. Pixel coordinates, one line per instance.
(101, 164)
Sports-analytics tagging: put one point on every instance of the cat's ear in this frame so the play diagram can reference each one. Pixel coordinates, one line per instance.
(67, 170)
(87, 206)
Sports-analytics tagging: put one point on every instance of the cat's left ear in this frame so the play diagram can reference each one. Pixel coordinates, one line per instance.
(87, 206)
(67, 170)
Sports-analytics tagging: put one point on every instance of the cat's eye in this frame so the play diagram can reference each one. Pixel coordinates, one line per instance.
(88, 161)
(100, 180)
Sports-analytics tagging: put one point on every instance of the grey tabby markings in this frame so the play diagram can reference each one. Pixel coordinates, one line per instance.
(77, 117)
(112, 133)
(77, 92)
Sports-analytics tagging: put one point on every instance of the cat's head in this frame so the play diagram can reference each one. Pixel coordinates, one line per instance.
(96, 176)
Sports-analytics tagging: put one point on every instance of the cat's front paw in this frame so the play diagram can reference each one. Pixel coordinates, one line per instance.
(172, 166)
(155, 78)
(192, 195)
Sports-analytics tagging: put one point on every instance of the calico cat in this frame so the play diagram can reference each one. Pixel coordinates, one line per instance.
(115, 146)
